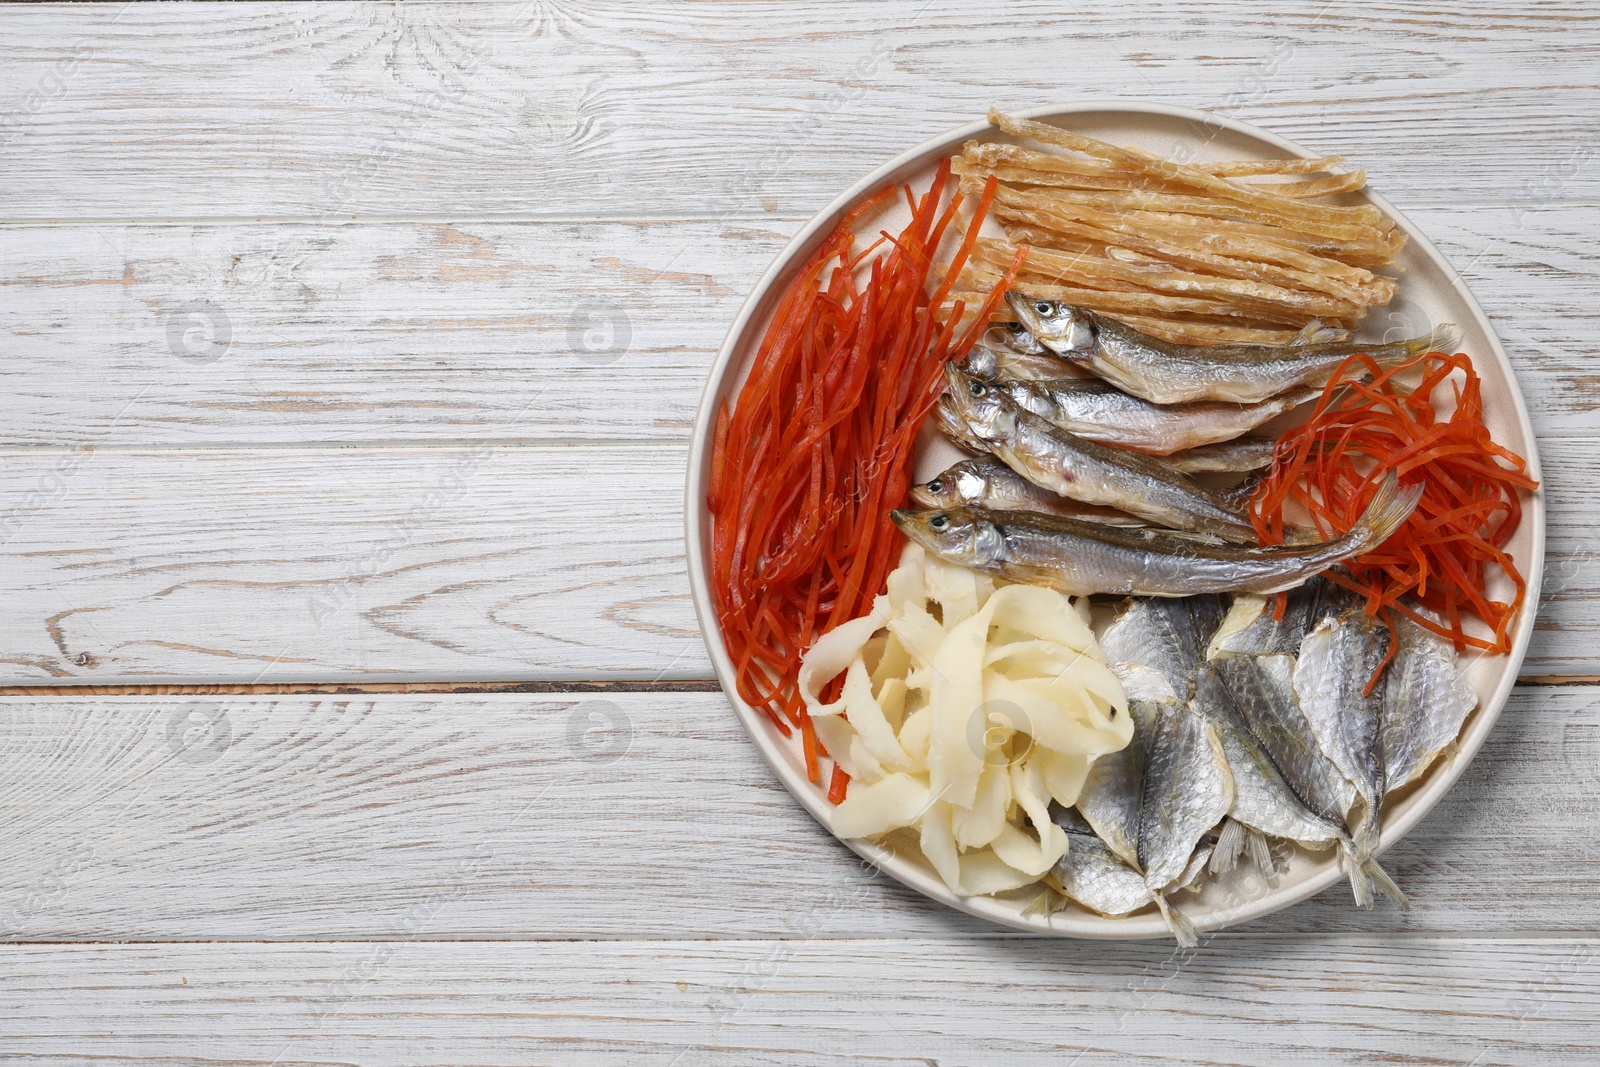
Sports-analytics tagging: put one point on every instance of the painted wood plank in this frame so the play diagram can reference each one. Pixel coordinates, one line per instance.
(487, 562)
(307, 333)
(607, 816)
(1326, 1001)
(557, 107)
(235, 565)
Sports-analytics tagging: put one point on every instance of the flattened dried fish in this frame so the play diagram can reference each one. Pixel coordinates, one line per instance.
(1425, 701)
(1251, 628)
(1263, 799)
(1113, 791)
(1166, 635)
(1187, 791)
(1092, 875)
(1337, 659)
(1261, 688)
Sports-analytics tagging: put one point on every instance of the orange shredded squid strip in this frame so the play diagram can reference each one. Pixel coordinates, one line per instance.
(1445, 554)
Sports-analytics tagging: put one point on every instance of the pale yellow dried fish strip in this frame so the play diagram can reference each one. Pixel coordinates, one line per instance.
(1333, 239)
(1238, 168)
(1174, 173)
(1081, 269)
(1184, 231)
(1183, 253)
(1304, 190)
(1355, 244)
(978, 279)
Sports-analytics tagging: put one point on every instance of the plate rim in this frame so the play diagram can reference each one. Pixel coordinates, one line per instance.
(1088, 926)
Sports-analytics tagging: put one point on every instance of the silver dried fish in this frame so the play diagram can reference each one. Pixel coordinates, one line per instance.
(1168, 373)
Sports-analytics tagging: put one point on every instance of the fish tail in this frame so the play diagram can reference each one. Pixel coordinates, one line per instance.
(1230, 842)
(1443, 338)
(1391, 505)
(1261, 856)
(1360, 881)
(1386, 885)
(1183, 930)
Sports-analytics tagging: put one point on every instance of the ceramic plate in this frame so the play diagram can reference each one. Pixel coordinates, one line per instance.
(1431, 293)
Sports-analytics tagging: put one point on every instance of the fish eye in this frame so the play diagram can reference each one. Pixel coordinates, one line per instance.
(935, 486)
(1043, 307)
(977, 388)
(939, 522)
(1016, 327)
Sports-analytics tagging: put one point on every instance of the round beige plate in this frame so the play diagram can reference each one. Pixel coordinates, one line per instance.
(1432, 293)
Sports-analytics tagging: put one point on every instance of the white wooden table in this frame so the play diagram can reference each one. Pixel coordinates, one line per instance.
(355, 709)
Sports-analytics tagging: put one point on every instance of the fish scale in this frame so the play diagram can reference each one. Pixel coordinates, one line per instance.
(1336, 661)
(1167, 373)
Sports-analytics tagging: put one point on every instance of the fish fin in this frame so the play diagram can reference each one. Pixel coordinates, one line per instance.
(1386, 885)
(1317, 332)
(1238, 496)
(1391, 505)
(1183, 930)
(1261, 856)
(1360, 883)
(1230, 842)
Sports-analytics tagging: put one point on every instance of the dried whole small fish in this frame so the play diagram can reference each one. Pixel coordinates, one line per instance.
(1101, 412)
(1226, 457)
(988, 483)
(1095, 474)
(1425, 701)
(1033, 361)
(1167, 373)
(1080, 558)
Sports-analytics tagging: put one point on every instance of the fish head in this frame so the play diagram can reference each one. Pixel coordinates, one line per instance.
(1015, 336)
(961, 484)
(955, 427)
(958, 535)
(981, 362)
(1063, 329)
(982, 406)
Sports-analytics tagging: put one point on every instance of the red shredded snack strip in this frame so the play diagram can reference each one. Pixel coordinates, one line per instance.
(1447, 550)
(817, 448)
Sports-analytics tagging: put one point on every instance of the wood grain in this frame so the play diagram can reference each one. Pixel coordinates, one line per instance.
(607, 816)
(563, 108)
(1325, 1001)
(490, 563)
(234, 566)
(169, 335)
(359, 343)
